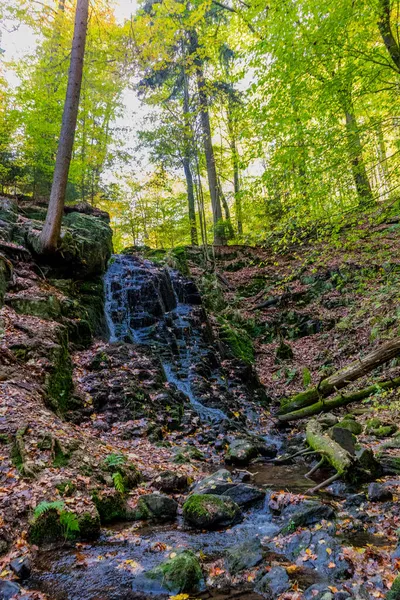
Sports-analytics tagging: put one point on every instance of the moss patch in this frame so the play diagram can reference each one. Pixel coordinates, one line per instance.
(180, 573)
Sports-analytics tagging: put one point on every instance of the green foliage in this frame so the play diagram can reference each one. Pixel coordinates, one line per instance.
(115, 460)
(45, 506)
(306, 377)
(118, 482)
(67, 520)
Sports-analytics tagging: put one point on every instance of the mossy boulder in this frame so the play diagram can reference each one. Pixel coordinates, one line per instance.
(111, 506)
(351, 425)
(85, 244)
(5, 276)
(51, 526)
(45, 307)
(187, 454)
(180, 573)
(58, 380)
(384, 431)
(237, 340)
(156, 507)
(245, 556)
(209, 511)
(372, 424)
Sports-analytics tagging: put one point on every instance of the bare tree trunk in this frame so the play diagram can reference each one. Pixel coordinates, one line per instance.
(228, 224)
(186, 163)
(235, 166)
(392, 45)
(207, 141)
(52, 227)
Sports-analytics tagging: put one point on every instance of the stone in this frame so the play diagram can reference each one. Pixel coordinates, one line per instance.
(167, 481)
(244, 556)
(111, 505)
(156, 507)
(328, 420)
(209, 511)
(378, 493)
(8, 589)
(344, 437)
(318, 591)
(274, 583)
(216, 483)
(180, 573)
(351, 425)
(305, 514)
(21, 567)
(244, 495)
(383, 431)
(368, 463)
(241, 451)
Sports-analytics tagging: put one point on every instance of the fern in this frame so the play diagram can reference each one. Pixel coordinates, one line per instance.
(69, 521)
(118, 482)
(115, 460)
(44, 507)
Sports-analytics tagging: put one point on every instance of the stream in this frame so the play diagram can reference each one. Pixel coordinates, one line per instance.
(158, 308)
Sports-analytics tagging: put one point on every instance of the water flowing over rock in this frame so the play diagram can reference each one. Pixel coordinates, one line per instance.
(159, 308)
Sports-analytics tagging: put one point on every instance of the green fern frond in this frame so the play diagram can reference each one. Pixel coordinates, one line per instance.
(115, 460)
(118, 482)
(69, 521)
(45, 506)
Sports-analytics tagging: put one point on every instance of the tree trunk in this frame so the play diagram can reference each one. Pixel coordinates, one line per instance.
(326, 405)
(392, 45)
(207, 141)
(186, 162)
(341, 378)
(228, 223)
(235, 167)
(52, 227)
(354, 144)
(338, 457)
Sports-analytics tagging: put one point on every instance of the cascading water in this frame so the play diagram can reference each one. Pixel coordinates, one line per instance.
(157, 307)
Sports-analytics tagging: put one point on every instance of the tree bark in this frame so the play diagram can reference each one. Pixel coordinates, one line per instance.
(384, 25)
(52, 227)
(207, 141)
(341, 378)
(235, 167)
(355, 149)
(338, 401)
(186, 163)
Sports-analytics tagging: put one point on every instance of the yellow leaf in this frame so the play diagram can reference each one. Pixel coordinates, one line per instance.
(5, 573)
(179, 597)
(329, 551)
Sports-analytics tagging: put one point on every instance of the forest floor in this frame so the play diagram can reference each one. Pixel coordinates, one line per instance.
(330, 303)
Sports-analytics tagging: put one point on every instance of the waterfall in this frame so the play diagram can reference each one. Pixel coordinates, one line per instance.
(157, 307)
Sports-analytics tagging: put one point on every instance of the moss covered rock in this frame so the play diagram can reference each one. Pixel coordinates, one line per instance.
(180, 573)
(156, 507)
(85, 244)
(242, 451)
(238, 341)
(208, 511)
(111, 506)
(56, 524)
(350, 425)
(394, 592)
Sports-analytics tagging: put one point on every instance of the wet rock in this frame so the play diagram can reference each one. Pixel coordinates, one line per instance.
(368, 463)
(245, 556)
(274, 583)
(187, 454)
(324, 553)
(244, 495)
(379, 493)
(209, 511)
(156, 507)
(216, 483)
(318, 591)
(111, 505)
(21, 567)
(354, 500)
(344, 437)
(242, 451)
(8, 589)
(167, 481)
(180, 573)
(305, 514)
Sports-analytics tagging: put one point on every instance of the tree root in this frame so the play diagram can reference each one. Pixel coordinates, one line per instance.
(324, 484)
(314, 469)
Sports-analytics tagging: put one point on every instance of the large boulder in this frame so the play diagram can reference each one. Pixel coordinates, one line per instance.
(85, 244)
(209, 511)
(168, 481)
(156, 507)
(244, 495)
(216, 483)
(305, 514)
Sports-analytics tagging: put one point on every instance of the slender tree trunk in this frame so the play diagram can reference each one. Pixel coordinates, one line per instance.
(229, 229)
(52, 227)
(235, 167)
(207, 141)
(354, 143)
(389, 39)
(186, 162)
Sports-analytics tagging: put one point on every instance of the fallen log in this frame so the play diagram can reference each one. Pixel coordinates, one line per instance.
(342, 378)
(334, 454)
(326, 405)
(274, 300)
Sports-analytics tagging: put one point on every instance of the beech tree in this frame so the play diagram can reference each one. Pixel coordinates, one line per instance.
(52, 226)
